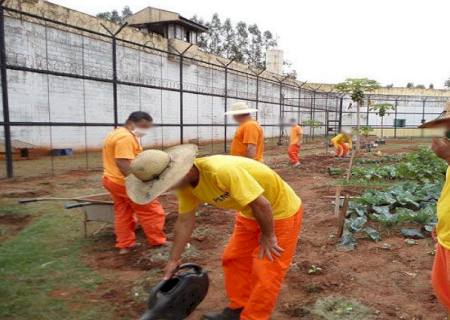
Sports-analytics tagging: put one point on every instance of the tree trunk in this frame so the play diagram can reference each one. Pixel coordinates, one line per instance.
(358, 125)
(382, 127)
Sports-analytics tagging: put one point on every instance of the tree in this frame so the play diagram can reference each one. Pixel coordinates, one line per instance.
(447, 83)
(114, 15)
(431, 86)
(390, 86)
(410, 85)
(420, 86)
(381, 110)
(245, 43)
(356, 88)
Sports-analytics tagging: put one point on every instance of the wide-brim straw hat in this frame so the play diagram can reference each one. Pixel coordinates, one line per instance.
(440, 121)
(153, 172)
(240, 108)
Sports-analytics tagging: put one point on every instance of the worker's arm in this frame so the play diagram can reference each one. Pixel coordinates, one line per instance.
(441, 147)
(183, 231)
(268, 244)
(251, 151)
(124, 166)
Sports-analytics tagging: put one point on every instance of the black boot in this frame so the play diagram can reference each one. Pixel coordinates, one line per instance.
(225, 314)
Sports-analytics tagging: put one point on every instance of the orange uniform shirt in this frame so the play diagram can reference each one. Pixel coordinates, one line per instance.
(249, 132)
(119, 144)
(296, 133)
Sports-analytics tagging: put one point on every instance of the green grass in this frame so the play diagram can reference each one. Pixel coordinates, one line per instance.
(42, 274)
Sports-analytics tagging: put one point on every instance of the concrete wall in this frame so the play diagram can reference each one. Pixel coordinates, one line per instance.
(38, 97)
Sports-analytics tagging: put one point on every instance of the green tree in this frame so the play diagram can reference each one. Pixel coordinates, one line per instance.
(255, 52)
(389, 86)
(228, 36)
(114, 15)
(410, 85)
(381, 110)
(240, 48)
(431, 86)
(356, 89)
(447, 83)
(420, 86)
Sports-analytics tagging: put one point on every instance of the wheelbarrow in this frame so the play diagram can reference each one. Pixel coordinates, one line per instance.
(94, 208)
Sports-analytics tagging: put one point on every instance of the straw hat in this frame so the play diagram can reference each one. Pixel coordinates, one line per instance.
(443, 118)
(240, 108)
(154, 171)
(347, 131)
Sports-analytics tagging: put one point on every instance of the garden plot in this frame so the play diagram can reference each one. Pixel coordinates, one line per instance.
(385, 279)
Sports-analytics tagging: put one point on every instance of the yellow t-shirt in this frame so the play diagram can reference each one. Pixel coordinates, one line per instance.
(119, 144)
(443, 213)
(342, 138)
(295, 135)
(232, 182)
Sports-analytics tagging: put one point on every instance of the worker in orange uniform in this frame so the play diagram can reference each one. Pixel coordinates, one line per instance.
(120, 147)
(248, 140)
(441, 267)
(343, 143)
(295, 143)
(267, 226)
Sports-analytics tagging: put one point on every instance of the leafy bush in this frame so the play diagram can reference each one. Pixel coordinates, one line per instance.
(407, 202)
(422, 165)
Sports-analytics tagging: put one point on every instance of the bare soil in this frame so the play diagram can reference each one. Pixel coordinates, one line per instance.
(394, 282)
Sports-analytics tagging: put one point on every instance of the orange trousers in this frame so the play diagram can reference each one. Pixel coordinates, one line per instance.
(441, 275)
(293, 151)
(150, 216)
(252, 283)
(342, 149)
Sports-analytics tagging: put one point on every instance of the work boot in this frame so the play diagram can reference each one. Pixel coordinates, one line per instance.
(225, 314)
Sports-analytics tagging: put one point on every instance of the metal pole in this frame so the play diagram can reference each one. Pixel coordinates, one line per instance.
(226, 109)
(367, 112)
(341, 103)
(280, 142)
(395, 119)
(423, 116)
(114, 70)
(4, 79)
(181, 101)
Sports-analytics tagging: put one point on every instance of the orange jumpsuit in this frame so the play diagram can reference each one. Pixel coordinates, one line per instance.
(343, 144)
(250, 132)
(122, 144)
(294, 144)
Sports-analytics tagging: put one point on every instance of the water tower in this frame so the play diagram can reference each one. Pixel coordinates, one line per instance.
(274, 61)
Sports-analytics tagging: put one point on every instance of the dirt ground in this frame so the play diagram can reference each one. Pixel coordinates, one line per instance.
(393, 280)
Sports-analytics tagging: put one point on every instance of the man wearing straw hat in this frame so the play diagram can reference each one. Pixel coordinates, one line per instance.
(441, 266)
(120, 147)
(248, 141)
(343, 143)
(267, 226)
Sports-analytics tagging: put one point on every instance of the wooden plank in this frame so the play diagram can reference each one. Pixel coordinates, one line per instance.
(337, 200)
(342, 216)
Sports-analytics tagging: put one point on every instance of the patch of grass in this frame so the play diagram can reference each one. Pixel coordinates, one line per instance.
(42, 273)
(341, 308)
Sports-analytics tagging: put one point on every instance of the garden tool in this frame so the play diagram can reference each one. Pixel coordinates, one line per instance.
(89, 199)
(177, 298)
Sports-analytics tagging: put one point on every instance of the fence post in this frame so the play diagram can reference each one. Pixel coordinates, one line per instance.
(423, 116)
(367, 111)
(114, 69)
(5, 100)
(341, 103)
(225, 96)
(395, 119)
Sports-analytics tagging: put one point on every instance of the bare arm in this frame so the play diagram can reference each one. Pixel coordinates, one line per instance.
(251, 151)
(262, 211)
(183, 231)
(124, 166)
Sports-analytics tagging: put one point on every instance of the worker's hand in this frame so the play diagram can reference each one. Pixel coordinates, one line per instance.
(171, 268)
(268, 246)
(441, 147)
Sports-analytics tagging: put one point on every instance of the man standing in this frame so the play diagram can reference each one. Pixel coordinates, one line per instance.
(120, 147)
(441, 266)
(267, 226)
(295, 143)
(342, 143)
(248, 140)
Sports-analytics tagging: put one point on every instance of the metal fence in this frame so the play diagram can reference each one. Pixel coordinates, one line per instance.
(64, 85)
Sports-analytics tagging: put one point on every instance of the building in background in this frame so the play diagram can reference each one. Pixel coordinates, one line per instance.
(168, 24)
